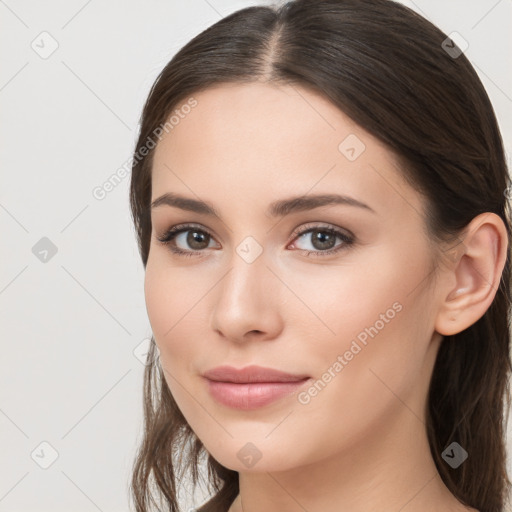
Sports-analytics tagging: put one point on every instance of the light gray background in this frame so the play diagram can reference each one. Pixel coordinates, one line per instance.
(70, 325)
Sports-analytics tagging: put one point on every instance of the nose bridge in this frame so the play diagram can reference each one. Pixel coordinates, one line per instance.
(248, 272)
(244, 300)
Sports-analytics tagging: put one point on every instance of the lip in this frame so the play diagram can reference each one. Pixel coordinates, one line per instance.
(251, 387)
(251, 374)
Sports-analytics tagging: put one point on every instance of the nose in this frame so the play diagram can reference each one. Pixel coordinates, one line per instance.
(246, 302)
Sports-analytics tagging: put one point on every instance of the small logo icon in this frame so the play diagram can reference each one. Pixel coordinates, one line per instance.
(44, 455)
(141, 351)
(249, 249)
(351, 147)
(454, 252)
(44, 250)
(454, 455)
(249, 455)
(44, 45)
(454, 45)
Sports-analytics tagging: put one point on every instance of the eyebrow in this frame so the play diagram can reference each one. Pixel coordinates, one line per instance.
(279, 208)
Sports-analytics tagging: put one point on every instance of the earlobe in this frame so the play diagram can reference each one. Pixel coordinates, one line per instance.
(476, 267)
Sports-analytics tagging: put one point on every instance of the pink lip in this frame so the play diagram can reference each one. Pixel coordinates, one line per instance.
(252, 386)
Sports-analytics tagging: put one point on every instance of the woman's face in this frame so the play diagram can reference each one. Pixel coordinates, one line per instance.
(348, 308)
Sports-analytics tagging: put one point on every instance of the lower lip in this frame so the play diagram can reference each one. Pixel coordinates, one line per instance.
(253, 395)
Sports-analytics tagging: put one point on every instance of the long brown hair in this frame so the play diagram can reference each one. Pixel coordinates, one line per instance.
(400, 78)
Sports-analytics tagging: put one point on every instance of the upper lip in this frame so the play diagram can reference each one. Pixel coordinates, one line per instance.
(251, 373)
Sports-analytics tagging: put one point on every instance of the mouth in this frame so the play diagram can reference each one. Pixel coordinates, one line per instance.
(251, 387)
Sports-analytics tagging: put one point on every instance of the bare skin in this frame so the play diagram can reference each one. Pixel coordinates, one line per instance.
(359, 443)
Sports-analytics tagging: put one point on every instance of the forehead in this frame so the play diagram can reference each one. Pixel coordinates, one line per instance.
(252, 143)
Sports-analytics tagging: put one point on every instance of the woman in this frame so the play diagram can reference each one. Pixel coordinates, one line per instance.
(320, 193)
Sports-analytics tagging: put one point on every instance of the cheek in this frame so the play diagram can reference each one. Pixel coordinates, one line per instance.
(335, 304)
(169, 294)
(167, 313)
(158, 303)
(175, 303)
(371, 320)
(167, 305)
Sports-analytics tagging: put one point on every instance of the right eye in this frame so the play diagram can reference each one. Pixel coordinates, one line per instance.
(186, 234)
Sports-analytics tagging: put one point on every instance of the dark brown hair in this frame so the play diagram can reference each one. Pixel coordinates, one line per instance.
(388, 69)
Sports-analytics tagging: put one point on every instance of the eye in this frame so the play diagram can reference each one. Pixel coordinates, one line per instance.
(323, 239)
(196, 239)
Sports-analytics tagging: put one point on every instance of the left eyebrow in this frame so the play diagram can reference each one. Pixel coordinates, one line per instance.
(279, 208)
(301, 203)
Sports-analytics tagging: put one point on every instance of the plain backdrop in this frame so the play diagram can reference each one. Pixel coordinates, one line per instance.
(73, 79)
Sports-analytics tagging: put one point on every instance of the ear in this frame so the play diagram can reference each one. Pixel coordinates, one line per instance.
(476, 266)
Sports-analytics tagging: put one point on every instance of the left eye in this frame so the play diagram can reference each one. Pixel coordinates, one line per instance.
(323, 240)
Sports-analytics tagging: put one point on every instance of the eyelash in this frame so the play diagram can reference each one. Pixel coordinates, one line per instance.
(174, 231)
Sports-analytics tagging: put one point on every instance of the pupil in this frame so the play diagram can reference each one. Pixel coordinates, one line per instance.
(196, 238)
(325, 239)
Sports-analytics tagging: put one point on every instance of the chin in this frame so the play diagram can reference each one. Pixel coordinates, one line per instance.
(242, 455)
